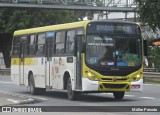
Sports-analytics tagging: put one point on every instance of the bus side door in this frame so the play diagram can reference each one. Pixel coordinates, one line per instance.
(22, 59)
(79, 48)
(48, 60)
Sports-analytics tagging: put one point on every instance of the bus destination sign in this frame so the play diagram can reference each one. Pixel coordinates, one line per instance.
(112, 28)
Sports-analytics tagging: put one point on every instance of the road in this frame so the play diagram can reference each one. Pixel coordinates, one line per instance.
(149, 97)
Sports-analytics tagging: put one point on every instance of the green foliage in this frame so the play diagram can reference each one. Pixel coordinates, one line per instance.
(155, 56)
(149, 11)
(12, 19)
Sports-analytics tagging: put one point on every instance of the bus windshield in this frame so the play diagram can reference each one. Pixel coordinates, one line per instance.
(114, 50)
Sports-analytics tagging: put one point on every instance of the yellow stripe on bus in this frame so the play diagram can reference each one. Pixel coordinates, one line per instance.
(25, 61)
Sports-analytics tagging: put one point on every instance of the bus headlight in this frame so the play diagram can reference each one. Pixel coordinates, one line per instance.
(91, 76)
(136, 78)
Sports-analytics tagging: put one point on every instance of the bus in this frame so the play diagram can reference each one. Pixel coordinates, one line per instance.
(101, 56)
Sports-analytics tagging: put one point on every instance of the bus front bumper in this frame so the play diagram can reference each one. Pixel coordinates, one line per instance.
(137, 86)
(101, 86)
(89, 85)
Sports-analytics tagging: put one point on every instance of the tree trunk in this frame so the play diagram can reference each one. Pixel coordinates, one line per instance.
(5, 48)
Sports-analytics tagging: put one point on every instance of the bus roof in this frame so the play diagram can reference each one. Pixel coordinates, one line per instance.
(51, 28)
(64, 26)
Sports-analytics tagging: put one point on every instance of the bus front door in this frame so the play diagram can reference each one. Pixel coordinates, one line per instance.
(21, 63)
(48, 61)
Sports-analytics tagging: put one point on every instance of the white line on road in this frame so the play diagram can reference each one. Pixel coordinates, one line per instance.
(24, 101)
(147, 97)
(112, 94)
(152, 84)
(129, 95)
(6, 82)
(13, 101)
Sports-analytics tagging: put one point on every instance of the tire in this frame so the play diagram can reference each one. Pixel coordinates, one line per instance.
(118, 95)
(71, 94)
(32, 88)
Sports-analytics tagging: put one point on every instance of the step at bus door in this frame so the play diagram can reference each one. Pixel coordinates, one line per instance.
(48, 60)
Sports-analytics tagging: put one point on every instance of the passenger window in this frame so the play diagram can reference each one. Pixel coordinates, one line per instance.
(40, 44)
(32, 45)
(70, 42)
(16, 46)
(60, 40)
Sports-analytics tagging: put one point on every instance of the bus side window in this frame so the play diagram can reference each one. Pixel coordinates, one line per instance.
(16, 46)
(60, 40)
(40, 44)
(70, 42)
(24, 46)
(32, 45)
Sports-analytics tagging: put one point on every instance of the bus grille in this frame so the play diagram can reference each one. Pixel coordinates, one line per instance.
(114, 85)
(117, 79)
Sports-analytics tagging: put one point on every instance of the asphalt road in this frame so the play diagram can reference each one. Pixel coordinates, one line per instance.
(9, 92)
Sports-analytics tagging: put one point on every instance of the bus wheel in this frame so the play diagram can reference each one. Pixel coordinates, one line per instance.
(32, 88)
(118, 95)
(70, 92)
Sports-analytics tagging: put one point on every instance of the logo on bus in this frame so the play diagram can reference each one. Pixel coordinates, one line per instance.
(114, 79)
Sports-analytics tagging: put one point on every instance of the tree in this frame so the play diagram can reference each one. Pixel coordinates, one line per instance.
(149, 11)
(14, 19)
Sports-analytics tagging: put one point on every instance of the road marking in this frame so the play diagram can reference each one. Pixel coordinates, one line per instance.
(107, 93)
(147, 97)
(25, 96)
(112, 94)
(129, 95)
(152, 84)
(13, 101)
(24, 101)
(6, 82)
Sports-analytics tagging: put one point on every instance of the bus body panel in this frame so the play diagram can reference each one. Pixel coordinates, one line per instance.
(59, 67)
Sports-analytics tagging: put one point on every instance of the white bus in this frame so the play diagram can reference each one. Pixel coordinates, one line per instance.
(73, 57)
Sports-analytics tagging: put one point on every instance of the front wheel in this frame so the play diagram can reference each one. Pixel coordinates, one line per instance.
(71, 94)
(118, 95)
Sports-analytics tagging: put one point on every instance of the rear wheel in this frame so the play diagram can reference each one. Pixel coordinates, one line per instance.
(32, 88)
(71, 94)
(118, 95)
